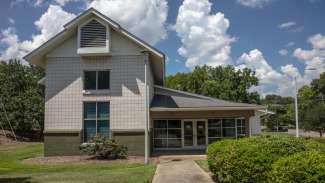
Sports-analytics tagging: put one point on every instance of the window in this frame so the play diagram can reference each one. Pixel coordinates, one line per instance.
(229, 128)
(96, 120)
(241, 128)
(214, 130)
(96, 80)
(225, 128)
(167, 133)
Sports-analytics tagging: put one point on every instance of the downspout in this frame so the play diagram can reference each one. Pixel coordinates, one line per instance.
(146, 133)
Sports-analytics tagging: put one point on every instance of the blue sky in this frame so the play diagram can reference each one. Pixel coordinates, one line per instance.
(244, 33)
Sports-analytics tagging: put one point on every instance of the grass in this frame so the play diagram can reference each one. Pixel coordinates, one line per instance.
(203, 164)
(13, 171)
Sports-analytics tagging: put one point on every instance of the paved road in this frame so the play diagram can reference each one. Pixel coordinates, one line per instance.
(303, 133)
(180, 169)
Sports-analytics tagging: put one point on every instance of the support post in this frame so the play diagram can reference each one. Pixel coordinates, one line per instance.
(296, 108)
(146, 135)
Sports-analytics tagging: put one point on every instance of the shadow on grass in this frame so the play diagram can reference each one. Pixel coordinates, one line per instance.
(16, 180)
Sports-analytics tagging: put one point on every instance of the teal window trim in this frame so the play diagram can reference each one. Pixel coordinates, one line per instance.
(96, 119)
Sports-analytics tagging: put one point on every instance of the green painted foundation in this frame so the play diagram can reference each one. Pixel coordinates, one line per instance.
(133, 140)
(67, 143)
(62, 143)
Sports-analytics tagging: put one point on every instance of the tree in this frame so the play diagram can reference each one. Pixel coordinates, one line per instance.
(315, 118)
(318, 85)
(22, 96)
(312, 106)
(220, 82)
(283, 109)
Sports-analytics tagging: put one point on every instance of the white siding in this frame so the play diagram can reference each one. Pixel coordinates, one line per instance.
(255, 124)
(64, 85)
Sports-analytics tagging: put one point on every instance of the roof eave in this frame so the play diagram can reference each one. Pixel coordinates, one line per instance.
(161, 109)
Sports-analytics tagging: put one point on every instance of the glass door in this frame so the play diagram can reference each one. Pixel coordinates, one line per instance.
(188, 134)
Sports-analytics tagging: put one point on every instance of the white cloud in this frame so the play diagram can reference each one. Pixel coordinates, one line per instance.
(255, 60)
(317, 41)
(203, 35)
(287, 25)
(37, 3)
(49, 24)
(283, 52)
(254, 3)
(290, 44)
(271, 81)
(314, 58)
(291, 26)
(144, 18)
(282, 81)
(11, 21)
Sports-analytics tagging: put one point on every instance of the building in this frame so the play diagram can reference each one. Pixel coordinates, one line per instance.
(101, 79)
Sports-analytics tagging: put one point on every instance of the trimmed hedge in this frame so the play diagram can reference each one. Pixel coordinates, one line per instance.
(251, 159)
(306, 167)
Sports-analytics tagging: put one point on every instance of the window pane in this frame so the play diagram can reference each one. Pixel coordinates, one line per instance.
(160, 143)
(240, 130)
(214, 123)
(240, 122)
(90, 110)
(103, 110)
(160, 133)
(174, 124)
(102, 128)
(216, 132)
(103, 79)
(90, 80)
(89, 130)
(174, 143)
(160, 124)
(228, 123)
(229, 132)
(174, 133)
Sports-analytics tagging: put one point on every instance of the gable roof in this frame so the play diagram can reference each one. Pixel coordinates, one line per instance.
(37, 55)
(167, 99)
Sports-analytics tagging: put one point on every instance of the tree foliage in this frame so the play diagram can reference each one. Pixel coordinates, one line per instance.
(22, 96)
(220, 82)
(282, 107)
(312, 105)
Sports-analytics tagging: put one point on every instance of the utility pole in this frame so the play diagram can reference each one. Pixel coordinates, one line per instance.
(296, 107)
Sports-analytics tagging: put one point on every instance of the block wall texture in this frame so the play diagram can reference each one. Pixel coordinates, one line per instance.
(58, 144)
(133, 140)
(65, 97)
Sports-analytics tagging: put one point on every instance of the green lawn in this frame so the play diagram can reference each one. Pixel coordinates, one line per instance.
(12, 170)
(203, 164)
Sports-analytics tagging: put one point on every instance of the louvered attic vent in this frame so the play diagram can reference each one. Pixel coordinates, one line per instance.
(93, 34)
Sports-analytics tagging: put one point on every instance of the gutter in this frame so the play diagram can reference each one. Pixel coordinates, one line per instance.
(161, 109)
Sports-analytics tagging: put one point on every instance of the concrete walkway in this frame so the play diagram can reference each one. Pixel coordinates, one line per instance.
(180, 169)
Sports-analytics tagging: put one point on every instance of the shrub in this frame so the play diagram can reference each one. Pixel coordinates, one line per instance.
(250, 159)
(102, 148)
(306, 167)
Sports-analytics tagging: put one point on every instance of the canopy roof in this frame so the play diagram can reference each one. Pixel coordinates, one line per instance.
(169, 99)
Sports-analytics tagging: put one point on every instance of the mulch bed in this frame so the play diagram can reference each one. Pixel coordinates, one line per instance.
(57, 160)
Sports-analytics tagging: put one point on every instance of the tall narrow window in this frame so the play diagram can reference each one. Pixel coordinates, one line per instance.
(96, 120)
(241, 128)
(97, 80)
(214, 130)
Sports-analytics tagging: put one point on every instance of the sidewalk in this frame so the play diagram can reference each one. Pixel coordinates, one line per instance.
(180, 169)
